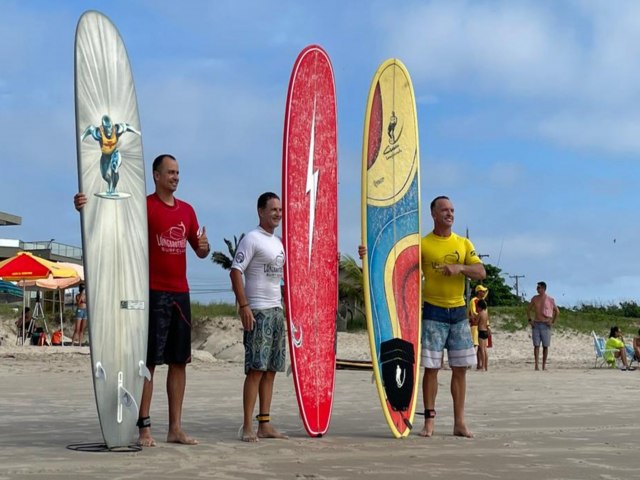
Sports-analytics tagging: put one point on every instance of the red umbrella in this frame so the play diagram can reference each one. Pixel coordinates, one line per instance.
(22, 266)
(26, 266)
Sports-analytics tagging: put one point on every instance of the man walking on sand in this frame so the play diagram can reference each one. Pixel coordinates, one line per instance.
(260, 258)
(541, 313)
(172, 224)
(446, 260)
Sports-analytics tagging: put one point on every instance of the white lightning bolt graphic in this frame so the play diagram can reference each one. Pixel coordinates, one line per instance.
(312, 181)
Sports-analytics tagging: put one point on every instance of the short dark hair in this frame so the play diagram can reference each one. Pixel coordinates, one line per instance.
(433, 202)
(543, 285)
(265, 197)
(158, 161)
(612, 332)
(482, 305)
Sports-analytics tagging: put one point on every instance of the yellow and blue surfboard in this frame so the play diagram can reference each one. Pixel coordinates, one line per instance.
(391, 233)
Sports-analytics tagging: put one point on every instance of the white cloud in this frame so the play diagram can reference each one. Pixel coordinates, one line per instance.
(602, 131)
(569, 69)
(512, 47)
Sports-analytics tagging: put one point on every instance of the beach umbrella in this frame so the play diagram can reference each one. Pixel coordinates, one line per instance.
(26, 266)
(58, 285)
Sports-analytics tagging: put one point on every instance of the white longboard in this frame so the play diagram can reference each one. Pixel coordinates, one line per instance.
(114, 224)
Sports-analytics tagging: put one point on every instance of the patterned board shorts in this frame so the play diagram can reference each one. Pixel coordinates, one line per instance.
(446, 328)
(265, 346)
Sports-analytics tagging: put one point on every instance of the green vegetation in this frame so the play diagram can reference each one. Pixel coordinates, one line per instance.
(7, 309)
(583, 319)
(214, 309)
(358, 323)
(499, 292)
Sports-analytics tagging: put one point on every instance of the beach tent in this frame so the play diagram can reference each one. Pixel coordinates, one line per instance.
(57, 285)
(26, 266)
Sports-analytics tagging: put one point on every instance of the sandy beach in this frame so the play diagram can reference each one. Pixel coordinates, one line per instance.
(570, 422)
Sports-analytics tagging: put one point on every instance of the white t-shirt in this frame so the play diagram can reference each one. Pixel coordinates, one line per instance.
(260, 257)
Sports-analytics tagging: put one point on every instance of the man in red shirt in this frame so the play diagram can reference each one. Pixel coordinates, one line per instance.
(172, 224)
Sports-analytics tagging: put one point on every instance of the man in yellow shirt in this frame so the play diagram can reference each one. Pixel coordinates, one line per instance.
(447, 259)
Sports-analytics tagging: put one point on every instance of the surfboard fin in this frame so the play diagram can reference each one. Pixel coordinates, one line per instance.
(125, 399)
(144, 371)
(99, 372)
(289, 370)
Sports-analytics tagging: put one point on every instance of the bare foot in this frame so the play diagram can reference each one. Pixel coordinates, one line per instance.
(265, 430)
(181, 437)
(145, 439)
(427, 430)
(462, 431)
(249, 436)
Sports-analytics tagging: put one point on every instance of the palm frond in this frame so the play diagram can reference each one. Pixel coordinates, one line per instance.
(222, 260)
(230, 247)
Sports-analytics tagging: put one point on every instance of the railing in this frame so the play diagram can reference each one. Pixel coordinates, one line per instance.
(56, 248)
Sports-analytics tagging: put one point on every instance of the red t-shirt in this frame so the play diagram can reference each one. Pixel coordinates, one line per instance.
(170, 228)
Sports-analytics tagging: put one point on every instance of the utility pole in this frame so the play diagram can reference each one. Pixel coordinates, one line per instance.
(516, 277)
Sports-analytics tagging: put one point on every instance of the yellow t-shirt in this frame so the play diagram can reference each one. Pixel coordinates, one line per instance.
(438, 290)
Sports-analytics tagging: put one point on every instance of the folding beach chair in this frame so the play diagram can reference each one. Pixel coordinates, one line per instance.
(603, 356)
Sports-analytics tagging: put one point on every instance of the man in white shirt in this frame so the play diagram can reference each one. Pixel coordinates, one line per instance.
(260, 258)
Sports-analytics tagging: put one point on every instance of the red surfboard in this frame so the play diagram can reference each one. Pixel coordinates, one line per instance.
(309, 228)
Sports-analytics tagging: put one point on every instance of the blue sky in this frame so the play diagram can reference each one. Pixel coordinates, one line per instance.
(529, 117)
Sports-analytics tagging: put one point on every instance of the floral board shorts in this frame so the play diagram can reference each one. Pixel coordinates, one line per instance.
(265, 346)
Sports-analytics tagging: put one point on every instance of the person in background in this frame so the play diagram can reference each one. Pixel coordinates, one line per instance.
(541, 314)
(25, 319)
(484, 331)
(636, 347)
(615, 349)
(481, 294)
(81, 316)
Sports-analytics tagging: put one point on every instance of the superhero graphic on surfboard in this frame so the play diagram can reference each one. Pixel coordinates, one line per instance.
(107, 135)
